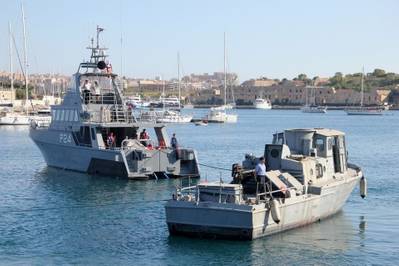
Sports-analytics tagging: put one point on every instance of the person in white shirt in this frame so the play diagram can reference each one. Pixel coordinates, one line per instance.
(97, 90)
(86, 91)
(260, 170)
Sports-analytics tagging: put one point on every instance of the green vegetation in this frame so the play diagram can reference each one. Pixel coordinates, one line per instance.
(377, 79)
(19, 89)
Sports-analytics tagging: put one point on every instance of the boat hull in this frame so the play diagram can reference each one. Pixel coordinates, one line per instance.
(176, 119)
(17, 120)
(221, 220)
(113, 162)
(264, 106)
(221, 117)
(364, 113)
(314, 110)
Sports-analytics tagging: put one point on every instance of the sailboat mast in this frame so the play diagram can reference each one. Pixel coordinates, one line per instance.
(25, 59)
(163, 95)
(11, 64)
(224, 68)
(361, 88)
(178, 77)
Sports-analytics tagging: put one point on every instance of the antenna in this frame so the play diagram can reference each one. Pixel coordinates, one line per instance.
(98, 35)
(11, 64)
(163, 94)
(121, 56)
(224, 68)
(361, 88)
(25, 58)
(178, 77)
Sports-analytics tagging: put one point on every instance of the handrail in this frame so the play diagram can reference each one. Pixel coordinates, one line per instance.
(194, 191)
(110, 114)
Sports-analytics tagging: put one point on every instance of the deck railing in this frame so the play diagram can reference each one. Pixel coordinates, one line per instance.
(116, 113)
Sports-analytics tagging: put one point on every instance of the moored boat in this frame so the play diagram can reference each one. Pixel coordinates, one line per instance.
(314, 109)
(262, 104)
(220, 114)
(363, 110)
(93, 130)
(308, 178)
(170, 116)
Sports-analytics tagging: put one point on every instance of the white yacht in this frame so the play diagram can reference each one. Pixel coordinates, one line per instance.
(170, 116)
(136, 102)
(171, 102)
(216, 115)
(261, 103)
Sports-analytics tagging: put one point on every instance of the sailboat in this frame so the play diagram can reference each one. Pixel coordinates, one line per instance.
(312, 107)
(219, 114)
(172, 116)
(13, 118)
(362, 110)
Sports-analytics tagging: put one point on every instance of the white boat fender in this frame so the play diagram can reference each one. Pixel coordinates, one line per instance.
(33, 124)
(363, 187)
(275, 211)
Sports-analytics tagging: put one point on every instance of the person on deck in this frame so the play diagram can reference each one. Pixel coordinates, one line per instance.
(175, 145)
(96, 91)
(86, 91)
(144, 137)
(260, 170)
(111, 140)
(173, 142)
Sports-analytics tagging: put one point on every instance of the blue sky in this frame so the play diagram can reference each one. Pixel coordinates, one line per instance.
(270, 38)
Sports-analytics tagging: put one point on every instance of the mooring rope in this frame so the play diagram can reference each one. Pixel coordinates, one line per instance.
(214, 167)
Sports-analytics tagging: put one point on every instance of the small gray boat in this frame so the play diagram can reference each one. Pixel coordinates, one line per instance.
(94, 131)
(308, 179)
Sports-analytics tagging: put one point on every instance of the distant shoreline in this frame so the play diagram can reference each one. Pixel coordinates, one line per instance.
(285, 107)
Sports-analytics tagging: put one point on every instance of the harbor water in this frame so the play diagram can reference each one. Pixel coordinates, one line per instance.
(54, 216)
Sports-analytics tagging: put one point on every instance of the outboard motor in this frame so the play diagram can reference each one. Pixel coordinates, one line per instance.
(236, 170)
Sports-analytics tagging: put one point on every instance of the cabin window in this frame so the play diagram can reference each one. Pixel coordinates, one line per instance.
(330, 143)
(83, 136)
(93, 134)
(67, 114)
(320, 144)
(57, 114)
(278, 138)
(71, 115)
(62, 115)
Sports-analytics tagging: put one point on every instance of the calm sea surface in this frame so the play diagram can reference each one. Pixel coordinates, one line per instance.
(50, 216)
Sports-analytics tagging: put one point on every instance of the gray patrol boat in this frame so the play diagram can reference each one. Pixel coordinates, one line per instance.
(308, 179)
(94, 131)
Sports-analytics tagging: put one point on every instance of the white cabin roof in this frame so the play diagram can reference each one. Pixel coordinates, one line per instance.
(321, 131)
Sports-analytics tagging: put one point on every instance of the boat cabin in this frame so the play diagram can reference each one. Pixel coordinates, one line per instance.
(309, 154)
